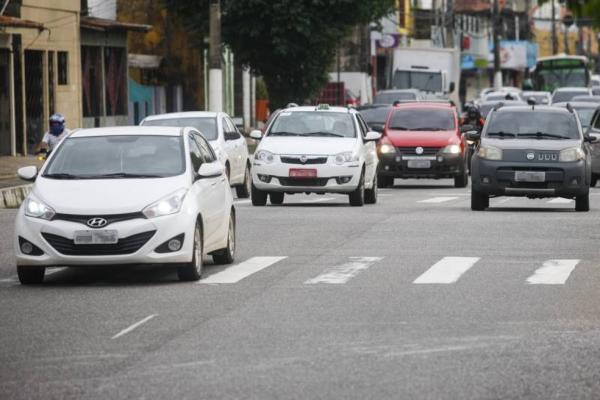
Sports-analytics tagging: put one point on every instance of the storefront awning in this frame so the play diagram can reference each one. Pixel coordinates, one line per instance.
(101, 24)
(12, 22)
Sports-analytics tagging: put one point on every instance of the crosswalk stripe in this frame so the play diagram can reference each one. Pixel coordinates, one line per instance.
(239, 271)
(436, 200)
(341, 274)
(553, 272)
(559, 200)
(447, 270)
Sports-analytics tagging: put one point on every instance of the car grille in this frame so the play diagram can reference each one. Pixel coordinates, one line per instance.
(309, 160)
(126, 245)
(427, 151)
(303, 181)
(111, 219)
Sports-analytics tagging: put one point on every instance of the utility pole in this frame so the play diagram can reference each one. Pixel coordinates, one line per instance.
(495, 26)
(554, 38)
(215, 73)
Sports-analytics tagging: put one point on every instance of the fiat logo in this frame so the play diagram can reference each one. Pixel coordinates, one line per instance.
(303, 159)
(530, 156)
(96, 222)
(419, 150)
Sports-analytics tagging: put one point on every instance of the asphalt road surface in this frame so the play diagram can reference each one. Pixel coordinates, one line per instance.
(416, 297)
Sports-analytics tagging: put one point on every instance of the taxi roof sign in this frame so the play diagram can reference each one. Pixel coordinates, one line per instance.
(322, 107)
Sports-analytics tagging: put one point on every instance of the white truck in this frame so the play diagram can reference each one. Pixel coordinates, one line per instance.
(433, 70)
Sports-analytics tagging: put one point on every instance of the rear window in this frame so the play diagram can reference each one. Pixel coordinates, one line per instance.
(375, 115)
(560, 97)
(206, 125)
(390, 98)
(422, 119)
(533, 124)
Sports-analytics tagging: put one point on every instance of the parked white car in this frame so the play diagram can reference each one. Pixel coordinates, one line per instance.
(126, 195)
(315, 150)
(227, 141)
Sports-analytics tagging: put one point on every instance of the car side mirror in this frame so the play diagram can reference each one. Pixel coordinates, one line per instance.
(28, 173)
(256, 134)
(473, 135)
(377, 127)
(231, 136)
(210, 170)
(466, 128)
(590, 138)
(372, 136)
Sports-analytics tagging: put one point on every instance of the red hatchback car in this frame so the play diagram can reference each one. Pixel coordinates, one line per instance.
(423, 140)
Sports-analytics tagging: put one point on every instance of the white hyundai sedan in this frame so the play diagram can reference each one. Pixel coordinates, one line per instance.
(127, 195)
(315, 150)
(224, 137)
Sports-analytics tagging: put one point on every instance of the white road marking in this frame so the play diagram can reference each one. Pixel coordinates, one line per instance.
(343, 273)
(560, 200)
(132, 327)
(239, 271)
(317, 200)
(436, 200)
(553, 272)
(447, 270)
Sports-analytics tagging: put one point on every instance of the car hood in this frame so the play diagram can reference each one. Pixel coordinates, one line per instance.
(531, 144)
(307, 146)
(422, 138)
(104, 196)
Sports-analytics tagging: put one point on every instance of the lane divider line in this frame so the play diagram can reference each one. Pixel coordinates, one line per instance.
(447, 270)
(553, 272)
(437, 200)
(132, 327)
(240, 271)
(343, 273)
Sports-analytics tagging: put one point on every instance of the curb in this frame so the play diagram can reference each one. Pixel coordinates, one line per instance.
(12, 197)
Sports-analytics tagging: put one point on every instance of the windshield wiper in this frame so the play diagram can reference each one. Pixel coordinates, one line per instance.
(541, 135)
(324, 134)
(501, 134)
(122, 175)
(400, 128)
(61, 175)
(282, 133)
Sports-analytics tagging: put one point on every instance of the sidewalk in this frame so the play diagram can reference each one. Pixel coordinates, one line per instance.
(12, 189)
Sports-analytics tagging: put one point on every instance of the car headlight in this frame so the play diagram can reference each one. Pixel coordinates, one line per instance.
(490, 153)
(451, 149)
(37, 209)
(345, 157)
(170, 204)
(387, 149)
(264, 156)
(571, 155)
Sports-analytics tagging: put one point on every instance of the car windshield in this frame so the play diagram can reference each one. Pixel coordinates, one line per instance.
(533, 124)
(313, 123)
(422, 119)
(113, 157)
(562, 96)
(376, 115)
(206, 125)
(585, 116)
(390, 98)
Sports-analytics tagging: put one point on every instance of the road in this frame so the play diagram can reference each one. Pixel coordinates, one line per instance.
(416, 297)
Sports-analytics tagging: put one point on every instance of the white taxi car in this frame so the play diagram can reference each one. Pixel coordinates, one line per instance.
(227, 141)
(318, 149)
(127, 195)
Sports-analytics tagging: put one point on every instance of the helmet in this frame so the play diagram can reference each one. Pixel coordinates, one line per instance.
(473, 112)
(57, 124)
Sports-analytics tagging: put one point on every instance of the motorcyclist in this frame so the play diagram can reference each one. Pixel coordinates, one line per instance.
(472, 117)
(56, 132)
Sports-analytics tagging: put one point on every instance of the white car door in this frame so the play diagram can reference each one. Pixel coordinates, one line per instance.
(206, 193)
(370, 152)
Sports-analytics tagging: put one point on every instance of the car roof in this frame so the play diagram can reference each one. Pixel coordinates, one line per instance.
(527, 107)
(577, 104)
(532, 92)
(372, 106)
(511, 103)
(129, 130)
(186, 114)
(317, 109)
(398, 91)
(425, 104)
(572, 89)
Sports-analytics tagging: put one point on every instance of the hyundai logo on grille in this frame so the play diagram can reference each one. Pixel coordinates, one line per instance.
(419, 150)
(530, 156)
(303, 159)
(96, 222)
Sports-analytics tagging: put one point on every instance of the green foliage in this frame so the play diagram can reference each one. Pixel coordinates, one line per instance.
(291, 43)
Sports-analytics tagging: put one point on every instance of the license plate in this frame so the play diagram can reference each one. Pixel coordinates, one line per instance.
(419, 164)
(303, 173)
(96, 237)
(530, 176)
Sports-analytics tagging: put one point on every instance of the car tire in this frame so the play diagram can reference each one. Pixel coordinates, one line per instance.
(385, 181)
(479, 201)
(227, 255)
(594, 180)
(259, 197)
(243, 190)
(31, 275)
(357, 197)
(582, 203)
(462, 180)
(276, 198)
(371, 194)
(192, 271)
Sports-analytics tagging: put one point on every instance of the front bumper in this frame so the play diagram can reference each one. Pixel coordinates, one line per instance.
(43, 234)
(440, 166)
(275, 177)
(497, 178)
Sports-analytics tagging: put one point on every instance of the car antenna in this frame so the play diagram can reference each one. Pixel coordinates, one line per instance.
(570, 108)
(531, 101)
(498, 106)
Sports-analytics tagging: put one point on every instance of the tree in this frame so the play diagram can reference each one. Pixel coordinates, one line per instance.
(291, 43)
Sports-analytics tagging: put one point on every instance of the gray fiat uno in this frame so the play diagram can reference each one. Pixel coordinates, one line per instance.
(531, 151)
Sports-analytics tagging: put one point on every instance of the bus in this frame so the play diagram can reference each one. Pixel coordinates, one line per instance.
(561, 71)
